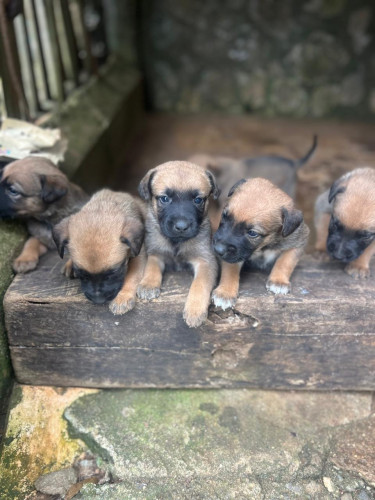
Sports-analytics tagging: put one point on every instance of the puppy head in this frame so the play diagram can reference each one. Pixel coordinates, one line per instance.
(258, 216)
(100, 245)
(352, 226)
(29, 186)
(178, 193)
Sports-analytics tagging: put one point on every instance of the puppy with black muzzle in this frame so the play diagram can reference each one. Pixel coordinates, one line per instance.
(345, 221)
(178, 232)
(35, 190)
(105, 241)
(261, 226)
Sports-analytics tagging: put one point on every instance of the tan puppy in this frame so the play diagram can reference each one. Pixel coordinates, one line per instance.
(33, 189)
(178, 232)
(259, 225)
(105, 240)
(345, 221)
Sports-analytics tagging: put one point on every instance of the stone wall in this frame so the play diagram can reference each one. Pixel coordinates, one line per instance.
(274, 57)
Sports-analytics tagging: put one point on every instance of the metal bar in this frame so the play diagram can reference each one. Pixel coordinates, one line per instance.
(71, 40)
(57, 66)
(40, 50)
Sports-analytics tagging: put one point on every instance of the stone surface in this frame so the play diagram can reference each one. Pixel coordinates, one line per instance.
(223, 444)
(57, 482)
(207, 56)
(36, 440)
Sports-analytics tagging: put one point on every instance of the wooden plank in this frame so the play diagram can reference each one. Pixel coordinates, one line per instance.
(320, 337)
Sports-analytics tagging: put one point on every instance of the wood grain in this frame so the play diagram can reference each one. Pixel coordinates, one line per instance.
(322, 336)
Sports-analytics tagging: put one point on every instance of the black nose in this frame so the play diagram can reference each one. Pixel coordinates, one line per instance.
(182, 225)
(220, 249)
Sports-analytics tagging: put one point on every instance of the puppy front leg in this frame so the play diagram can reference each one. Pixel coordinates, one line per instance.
(225, 294)
(359, 268)
(198, 300)
(125, 299)
(29, 257)
(278, 280)
(321, 222)
(149, 287)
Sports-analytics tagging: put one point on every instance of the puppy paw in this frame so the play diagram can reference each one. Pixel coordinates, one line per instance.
(67, 269)
(357, 272)
(223, 300)
(321, 255)
(147, 293)
(278, 287)
(122, 304)
(194, 318)
(20, 265)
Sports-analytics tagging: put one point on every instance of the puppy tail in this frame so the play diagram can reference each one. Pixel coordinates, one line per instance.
(308, 155)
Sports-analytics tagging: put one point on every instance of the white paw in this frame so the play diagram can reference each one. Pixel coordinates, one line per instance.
(278, 288)
(222, 301)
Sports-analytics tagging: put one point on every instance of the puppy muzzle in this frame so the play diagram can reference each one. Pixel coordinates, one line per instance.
(342, 251)
(180, 229)
(226, 251)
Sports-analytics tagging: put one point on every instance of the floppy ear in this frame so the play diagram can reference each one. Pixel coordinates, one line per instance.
(145, 186)
(235, 186)
(60, 234)
(336, 188)
(215, 191)
(53, 188)
(291, 220)
(134, 233)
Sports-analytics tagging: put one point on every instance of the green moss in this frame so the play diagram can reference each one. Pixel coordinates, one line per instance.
(12, 236)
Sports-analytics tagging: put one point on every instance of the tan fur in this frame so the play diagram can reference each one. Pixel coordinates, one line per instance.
(259, 203)
(355, 208)
(94, 237)
(30, 176)
(197, 251)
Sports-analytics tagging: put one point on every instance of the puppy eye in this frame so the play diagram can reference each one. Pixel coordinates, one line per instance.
(164, 199)
(13, 191)
(252, 233)
(198, 200)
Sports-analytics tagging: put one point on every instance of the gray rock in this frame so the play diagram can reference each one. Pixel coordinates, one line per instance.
(56, 483)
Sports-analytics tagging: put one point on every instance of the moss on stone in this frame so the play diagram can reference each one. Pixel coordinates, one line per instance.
(12, 236)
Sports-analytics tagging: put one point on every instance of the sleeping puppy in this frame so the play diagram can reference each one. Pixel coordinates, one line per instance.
(261, 226)
(345, 221)
(35, 190)
(178, 232)
(105, 240)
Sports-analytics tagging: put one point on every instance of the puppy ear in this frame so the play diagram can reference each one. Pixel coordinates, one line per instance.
(235, 186)
(60, 235)
(215, 191)
(134, 233)
(291, 220)
(53, 188)
(336, 188)
(145, 186)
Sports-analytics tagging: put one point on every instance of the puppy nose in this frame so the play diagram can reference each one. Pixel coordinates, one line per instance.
(181, 225)
(220, 249)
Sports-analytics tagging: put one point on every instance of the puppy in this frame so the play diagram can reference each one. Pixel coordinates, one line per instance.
(259, 225)
(279, 170)
(105, 240)
(345, 221)
(33, 189)
(178, 232)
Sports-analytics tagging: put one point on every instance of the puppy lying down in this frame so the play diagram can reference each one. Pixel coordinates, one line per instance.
(104, 240)
(35, 190)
